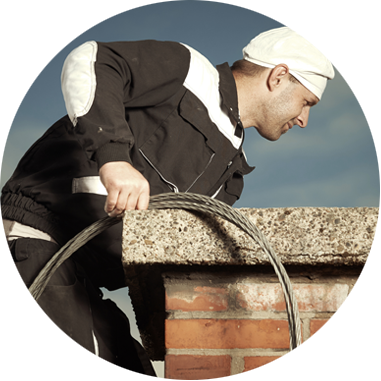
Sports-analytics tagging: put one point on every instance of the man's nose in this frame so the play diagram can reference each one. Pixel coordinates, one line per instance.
(302, 119)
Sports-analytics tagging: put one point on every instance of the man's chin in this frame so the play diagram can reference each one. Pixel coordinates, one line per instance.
(272, 137)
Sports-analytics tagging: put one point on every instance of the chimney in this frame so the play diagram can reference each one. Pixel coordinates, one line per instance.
(206, 298)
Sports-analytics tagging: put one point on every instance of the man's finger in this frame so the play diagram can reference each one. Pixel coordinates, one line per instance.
(111, 200)
(143, 201)
(131, 202)
(120, 205)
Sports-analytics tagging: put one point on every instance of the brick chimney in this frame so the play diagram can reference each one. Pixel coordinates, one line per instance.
(206, 298)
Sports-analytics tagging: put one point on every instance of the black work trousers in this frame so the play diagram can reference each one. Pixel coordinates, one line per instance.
(77, 307)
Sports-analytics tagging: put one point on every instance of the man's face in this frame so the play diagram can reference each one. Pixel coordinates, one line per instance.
(290, 106)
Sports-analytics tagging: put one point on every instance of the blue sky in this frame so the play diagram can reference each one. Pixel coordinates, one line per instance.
(330, 163)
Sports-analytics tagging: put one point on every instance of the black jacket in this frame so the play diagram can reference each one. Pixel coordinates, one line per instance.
(158, 105)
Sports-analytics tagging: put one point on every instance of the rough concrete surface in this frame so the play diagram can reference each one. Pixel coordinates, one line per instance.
(310, 241)
(330, 236)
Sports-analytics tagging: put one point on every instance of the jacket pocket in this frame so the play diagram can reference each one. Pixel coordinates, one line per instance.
(180, 150)
(232, 188)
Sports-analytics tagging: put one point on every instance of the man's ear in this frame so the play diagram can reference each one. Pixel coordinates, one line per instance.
(277, 76)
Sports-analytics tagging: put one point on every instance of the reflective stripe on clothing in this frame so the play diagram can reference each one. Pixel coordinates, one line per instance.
(88, 184)
(14, 230)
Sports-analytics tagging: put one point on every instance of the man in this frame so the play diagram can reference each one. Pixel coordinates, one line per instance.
(144, 118)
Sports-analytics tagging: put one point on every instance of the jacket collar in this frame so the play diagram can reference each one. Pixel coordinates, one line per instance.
(228, 91)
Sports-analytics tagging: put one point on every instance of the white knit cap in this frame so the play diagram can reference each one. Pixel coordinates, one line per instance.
(305, 62)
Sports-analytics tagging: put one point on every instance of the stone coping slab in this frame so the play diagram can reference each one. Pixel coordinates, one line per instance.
(300, 236)
(312, 243)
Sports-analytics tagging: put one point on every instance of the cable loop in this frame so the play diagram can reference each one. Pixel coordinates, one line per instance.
(191, 202)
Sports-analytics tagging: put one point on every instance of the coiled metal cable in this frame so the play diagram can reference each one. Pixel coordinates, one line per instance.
(191, 202)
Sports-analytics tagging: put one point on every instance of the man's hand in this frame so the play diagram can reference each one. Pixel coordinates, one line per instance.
(126, 187)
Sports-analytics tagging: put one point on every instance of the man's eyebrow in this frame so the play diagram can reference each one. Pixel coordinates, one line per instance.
(312, 102)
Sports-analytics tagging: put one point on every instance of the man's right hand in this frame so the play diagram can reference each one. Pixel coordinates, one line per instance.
(126, 187)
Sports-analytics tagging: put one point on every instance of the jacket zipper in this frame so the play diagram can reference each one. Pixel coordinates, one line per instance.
(210, 160)
(172, 186)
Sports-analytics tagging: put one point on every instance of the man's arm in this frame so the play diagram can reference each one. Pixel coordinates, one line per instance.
(100, 82)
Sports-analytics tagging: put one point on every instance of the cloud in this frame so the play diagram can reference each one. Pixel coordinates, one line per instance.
(355, 55)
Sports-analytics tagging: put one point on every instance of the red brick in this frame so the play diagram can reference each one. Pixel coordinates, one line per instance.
(310, 297)
(265, 368)
(197, 299)
(188, 367)
(276, 368)
(226, 333)
(322, 334)
(368, 298)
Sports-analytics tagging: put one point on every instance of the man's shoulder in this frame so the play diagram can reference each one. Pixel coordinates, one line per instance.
(202, 74)
(147, 47)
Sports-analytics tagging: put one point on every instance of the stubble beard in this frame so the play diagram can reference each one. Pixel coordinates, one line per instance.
(277, 111)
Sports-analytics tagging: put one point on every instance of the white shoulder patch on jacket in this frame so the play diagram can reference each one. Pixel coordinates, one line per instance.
(78, 80)
(203, 81)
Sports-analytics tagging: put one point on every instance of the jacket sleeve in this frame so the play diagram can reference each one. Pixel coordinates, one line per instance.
(100, 81)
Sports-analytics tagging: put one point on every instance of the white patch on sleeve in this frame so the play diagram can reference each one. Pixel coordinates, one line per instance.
(203, 81)
(78, 80)
(4, 303)
(89, 184)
